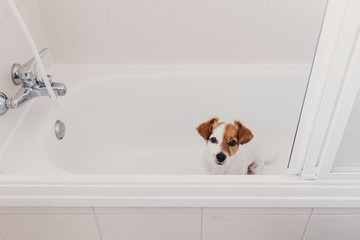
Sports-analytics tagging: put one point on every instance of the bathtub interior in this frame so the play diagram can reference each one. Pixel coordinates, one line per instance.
(142, 120)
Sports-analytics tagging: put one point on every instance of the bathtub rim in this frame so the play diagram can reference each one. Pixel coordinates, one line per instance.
(176, 191)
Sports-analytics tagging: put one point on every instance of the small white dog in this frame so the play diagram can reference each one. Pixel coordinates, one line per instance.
(230, 148)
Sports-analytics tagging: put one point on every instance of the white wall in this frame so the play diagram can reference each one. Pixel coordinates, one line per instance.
(182, 31)
(158, 32)
(15, 48)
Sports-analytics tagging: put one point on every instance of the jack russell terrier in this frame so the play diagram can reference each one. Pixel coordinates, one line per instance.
(230, 148)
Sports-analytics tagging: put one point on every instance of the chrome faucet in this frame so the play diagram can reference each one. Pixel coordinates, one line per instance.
(32, 85)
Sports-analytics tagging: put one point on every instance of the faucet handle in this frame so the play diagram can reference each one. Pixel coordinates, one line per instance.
(25, 72)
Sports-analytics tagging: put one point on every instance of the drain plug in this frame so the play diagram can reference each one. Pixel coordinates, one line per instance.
(60, 130)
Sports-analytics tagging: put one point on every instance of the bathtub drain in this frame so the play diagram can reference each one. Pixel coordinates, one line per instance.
(60, 130)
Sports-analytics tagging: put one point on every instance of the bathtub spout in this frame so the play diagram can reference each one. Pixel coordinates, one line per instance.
(26, 94)
(59, 89)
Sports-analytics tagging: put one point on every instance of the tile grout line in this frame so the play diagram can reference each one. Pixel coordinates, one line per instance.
(1, 236)
(307, 223)
(9, 12)
(97, 223)
(5, 17)
(110, 31)
(45, 38)
(201, 223)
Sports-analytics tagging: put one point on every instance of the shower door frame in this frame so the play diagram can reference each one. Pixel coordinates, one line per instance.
(331, 93)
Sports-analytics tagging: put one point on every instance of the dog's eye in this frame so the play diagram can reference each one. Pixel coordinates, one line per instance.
(232, 143)
(213, 140)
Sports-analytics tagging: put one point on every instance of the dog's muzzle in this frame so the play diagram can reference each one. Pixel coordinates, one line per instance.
(220, 158)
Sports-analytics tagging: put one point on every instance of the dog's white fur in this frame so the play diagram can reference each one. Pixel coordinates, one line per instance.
(247, 158)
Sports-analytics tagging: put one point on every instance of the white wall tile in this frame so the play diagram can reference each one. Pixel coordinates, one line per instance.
(77, 31)
(17, 223)
(186, 31)
(45, 210)
(335, 211)
(182, 32)
(214, 32)
(150, 226)
(5, 81)
(45, 227)
(7, 120)
(7, 123)
(325, 227)
(257, 227)
(258, 211)
(292, 29)
(146, 210)
(31, 15)
(30, 12)
(15, 48)
(225, 32)
(148, 31)
(5, 9)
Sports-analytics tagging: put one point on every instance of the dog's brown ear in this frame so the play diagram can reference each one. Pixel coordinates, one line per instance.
(205, 129)
(244, 134)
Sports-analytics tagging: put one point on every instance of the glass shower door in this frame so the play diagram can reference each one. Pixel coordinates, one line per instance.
(347, 158)
(326, 145)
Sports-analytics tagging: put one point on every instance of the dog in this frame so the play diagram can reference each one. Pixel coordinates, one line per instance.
(230, 148)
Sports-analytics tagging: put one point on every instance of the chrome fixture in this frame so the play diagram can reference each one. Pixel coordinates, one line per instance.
(32, 85)
(60, 130)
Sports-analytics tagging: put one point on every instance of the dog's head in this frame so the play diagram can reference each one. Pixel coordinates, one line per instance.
(223, 140)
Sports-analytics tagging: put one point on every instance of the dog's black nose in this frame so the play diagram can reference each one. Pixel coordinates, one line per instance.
(220, 157)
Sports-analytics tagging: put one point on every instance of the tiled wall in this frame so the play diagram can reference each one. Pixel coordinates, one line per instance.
(182, 31)
(178, 223)
(14, 48)
(157, 32)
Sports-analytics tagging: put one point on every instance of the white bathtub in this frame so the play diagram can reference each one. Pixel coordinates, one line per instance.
(142, 120)
(131, 138)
